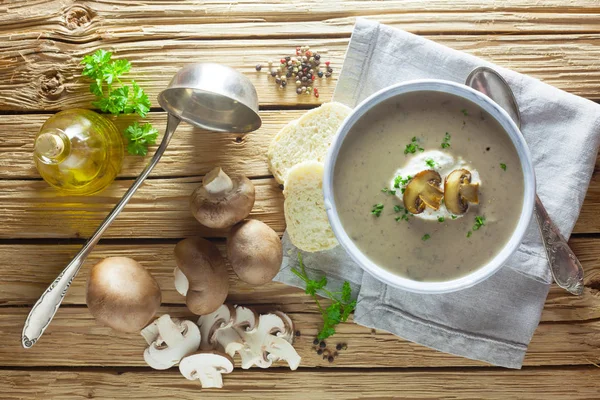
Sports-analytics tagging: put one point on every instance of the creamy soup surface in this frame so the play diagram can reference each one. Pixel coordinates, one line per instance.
(439, 247)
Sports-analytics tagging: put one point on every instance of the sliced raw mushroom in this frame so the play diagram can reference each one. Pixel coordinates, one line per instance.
(201, 275)
(215, 325)
(423, 191)
(459, 191)
(169, 341)
(222, 201)
(207, 367)
(288, 333)
(254, 251)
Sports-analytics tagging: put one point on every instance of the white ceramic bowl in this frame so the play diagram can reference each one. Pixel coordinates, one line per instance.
(485, 271)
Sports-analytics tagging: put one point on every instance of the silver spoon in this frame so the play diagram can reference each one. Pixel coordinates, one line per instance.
(566, 268)
(210, 96)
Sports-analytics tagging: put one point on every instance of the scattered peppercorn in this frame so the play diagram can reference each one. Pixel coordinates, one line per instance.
(320, 73)
(316, 341)
(283, 84)
(330, 359)
(322, 344)
(258, 67)
(338, 346)
(319, 352)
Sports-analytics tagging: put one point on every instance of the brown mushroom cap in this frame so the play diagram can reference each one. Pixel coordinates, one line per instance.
(205, 269)
(222, 201)
(122, 294)
(459, 191)
(254, 251)
(423, 191)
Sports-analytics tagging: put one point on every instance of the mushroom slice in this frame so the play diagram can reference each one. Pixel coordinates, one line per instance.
(207, 367)
(169, 341)
(423, 191)
(215, 324)
(288, 334)
(246, 319)
(222, 201)
(280, 349)
(459, 191)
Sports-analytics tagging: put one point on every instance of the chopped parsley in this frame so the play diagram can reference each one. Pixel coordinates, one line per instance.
(390, 191)
(413, 146)
(426, 236)
(454, 217)
(430, 163)
(503, 166)
(400, 182)
(404, 216)
(397, 208)
(465, 112)
(479, 222)
(441, 219)
(446, 141)
(377, 209)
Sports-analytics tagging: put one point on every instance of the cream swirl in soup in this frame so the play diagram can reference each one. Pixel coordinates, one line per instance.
(428, 186)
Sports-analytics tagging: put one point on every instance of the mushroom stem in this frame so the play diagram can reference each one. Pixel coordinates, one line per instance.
(217, 181)
(182, 285)
(170, 331)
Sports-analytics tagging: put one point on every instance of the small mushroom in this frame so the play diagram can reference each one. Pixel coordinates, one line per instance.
(169, 341)
(121, 294)
(459, 191)
(207, 367)
(254, 251)
(222, 201)
(423, 191)
(201, 275)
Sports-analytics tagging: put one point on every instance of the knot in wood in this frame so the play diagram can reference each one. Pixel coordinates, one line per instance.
(52, 84)
(77, 17)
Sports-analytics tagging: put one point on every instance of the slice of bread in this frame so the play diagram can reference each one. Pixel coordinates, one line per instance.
(307, 138)
(304, 207)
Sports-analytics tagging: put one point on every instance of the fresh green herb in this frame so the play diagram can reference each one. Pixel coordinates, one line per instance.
(124, 99)
(397, 208)
(377, 209)
(441, 219)
(430, 163)
(454, 217)
(400, 183)
(479, 222)
(503, 166)
(413, 146)
(341, 305)
(139, 137)
(446, 141)
(465, 112)
(469, 234)
(390, 191)
(426, 236)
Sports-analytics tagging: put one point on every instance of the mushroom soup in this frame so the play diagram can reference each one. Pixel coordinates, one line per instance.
(428, 186)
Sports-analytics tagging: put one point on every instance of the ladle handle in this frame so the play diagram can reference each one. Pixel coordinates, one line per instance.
(45, 308)
(566, 268)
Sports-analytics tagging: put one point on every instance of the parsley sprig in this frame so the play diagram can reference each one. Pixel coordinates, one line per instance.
(479, 222)
(341, 305)
(115, 97)
(446, 141)
(400, 182)
(377, 209)
(413, 146)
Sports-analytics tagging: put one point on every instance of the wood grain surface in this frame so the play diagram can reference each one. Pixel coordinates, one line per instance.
(41, 43)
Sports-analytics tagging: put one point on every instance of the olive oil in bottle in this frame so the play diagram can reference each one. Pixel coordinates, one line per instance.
(78, 152)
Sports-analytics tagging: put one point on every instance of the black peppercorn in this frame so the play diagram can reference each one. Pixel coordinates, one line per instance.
(317, 56)
(258, 67)
(330, 359)
(329, 69)
(309, 76)
(320, 73)
(304, 79)
(299, 91)
(316, 341)
(322, 344)
(319, 352)
(288, 75)
(278, 81)
(273, 73)
(298, 333)
(283, 83)
(288, 58)
(328, 75)
(338, 346)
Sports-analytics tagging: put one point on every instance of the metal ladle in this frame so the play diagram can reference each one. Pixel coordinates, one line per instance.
(210, 96)
(566, 268)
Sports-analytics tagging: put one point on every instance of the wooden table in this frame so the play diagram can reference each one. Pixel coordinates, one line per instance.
(557, 41)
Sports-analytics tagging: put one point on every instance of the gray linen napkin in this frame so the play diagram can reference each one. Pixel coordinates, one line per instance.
(494, 320)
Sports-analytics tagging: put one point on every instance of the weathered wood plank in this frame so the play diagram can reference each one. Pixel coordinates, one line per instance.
(571, 383)
(191, 152)
(29, 269)
(159, 209)
(45, 75)
(90, 344)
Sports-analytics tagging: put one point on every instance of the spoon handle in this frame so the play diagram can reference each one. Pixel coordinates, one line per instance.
(566, 268)
(43, 310)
